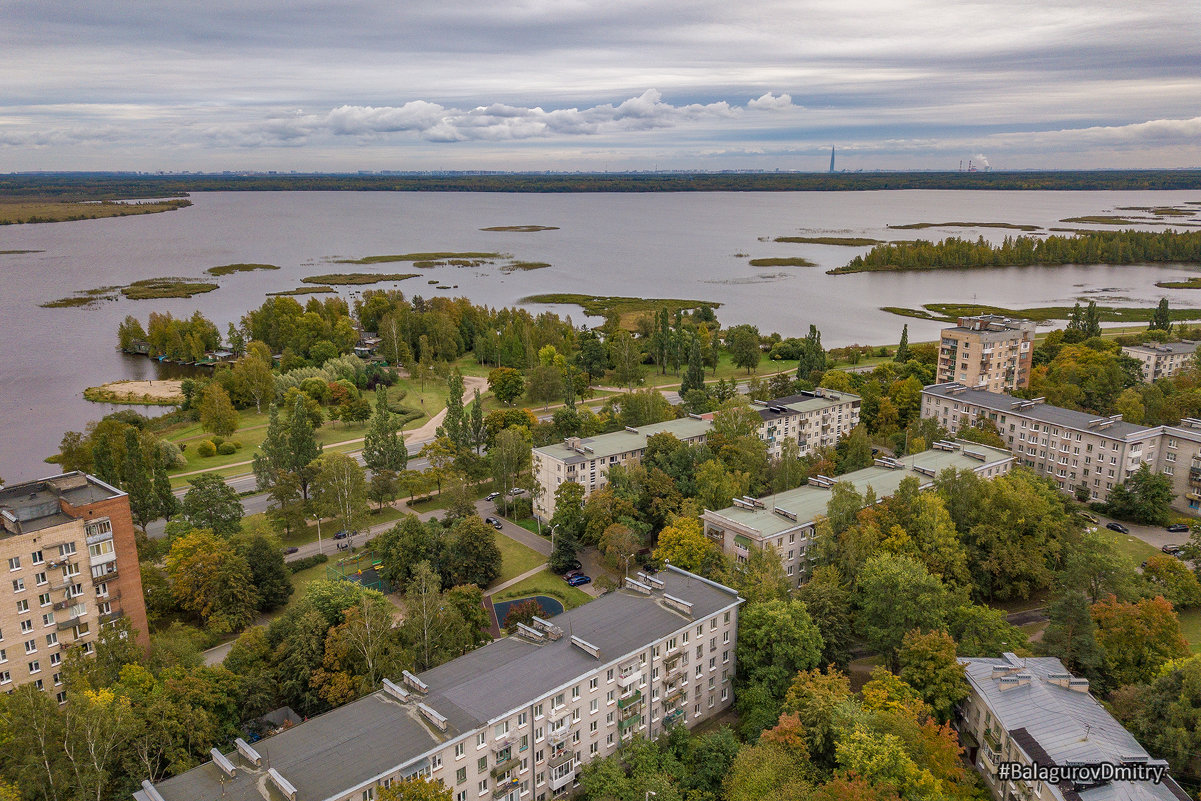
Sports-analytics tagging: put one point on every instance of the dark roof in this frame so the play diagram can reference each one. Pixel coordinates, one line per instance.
(36, 505)
(1043, 412)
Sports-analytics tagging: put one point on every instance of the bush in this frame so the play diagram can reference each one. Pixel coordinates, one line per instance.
(237, 444)
(226, 449)
(307, 562)
(216, 440)
(206, 449)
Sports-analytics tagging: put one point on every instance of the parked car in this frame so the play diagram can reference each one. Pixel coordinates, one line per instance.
(517, 491)
(1178, 528)
(570, 574)
(1172, 550)
(575, 565)
(1092, 518)
(496, 524)
(1117, 527)
(491, 496)
(341, 535)
(291, 549)
(576, 581)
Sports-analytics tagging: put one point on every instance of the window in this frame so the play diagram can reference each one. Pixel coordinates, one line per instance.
(460, 775)
(483, 786)
(44, 599)
(481, 740)
(35, 667)
(594, 706)
(36, 557)
(22, 607)
(5, 677)
(609, 697)
(18, 585)
(593, 683)
(14, 563)
(458, 750)
(52, 639)
(502, 728)
(575, 693)
(102, 526)
(66, 549)
(609, 676)
(538, 711)
(99, 549)
(31, 646)
(482, 764)
(3, 655)
(48, 619)
(26, 626)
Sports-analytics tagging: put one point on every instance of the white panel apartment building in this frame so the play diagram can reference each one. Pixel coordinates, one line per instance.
(1162, 360)
(513, 720)
(814, 420)
(785, 522)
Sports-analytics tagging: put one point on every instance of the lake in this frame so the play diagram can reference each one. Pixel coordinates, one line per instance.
(646, 245)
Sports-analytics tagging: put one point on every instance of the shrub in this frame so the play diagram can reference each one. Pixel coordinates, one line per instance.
(307, 562)
(206, 449)
(237, 444)
(216, 440)
(226, 449)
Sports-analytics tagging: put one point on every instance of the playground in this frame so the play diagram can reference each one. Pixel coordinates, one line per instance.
(361, 568)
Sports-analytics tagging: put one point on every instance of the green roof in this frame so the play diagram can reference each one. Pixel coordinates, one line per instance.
(809, 502)
(620, 442)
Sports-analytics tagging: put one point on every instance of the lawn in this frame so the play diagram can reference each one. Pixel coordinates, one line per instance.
(515, 558)
(545, 583)
(1132, 547)
(328, 529)
(1190, 627)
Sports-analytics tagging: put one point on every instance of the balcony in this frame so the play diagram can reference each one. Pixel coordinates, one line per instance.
(629, 723)
(676, 672)
(557, 784)
(674, 695)
(108, 617)
(109, 575)
(674, 716)
(70, 623)
(560, 759)
(558, 733)
(506, 766)
(504, 743)
(504, 788)
(626, 680)
(671, 661)
(629, 700)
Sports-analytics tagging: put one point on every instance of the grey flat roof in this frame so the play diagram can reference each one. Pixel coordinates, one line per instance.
(619, 442)
(355, 743)
(1069, 725)
(1042, 412)
(809, 502)
(1167, 347)
(35, 504)
(801, 403)
(986, 334)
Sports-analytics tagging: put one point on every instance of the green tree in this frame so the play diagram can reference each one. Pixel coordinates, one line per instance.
(454, 423)
(1137, 638)
(684, 544)
(433, 627)
(137, 481)
(217, 413)
(476, 432)
(984, 631)
(620, 544)
(1072, 635)
(896, 595)
(254, 376)
(743, 343)
(928, 665)
(211, 503)
(474, 555)
(340, 491)
(544, 383)
(694, 376)
(506, 384)
(416, 789)
(1174, 580)
(1144, 497)
(302, 448)
(211, 581)
(776, 639)
(264, 556)
(627, 359)
(383, 447)
(829, 602)
(902, 354)
(1161, 320)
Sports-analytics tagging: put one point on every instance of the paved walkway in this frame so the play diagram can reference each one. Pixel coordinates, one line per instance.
(532, 572)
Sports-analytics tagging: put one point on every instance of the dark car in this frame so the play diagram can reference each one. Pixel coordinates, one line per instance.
(1178, 528)
(491, 496)
(574, 565)
(570, 574)
(1117, 527)
(496, 524)
(1172, 550)
(291, 549)
(341, 535)
(576, 581)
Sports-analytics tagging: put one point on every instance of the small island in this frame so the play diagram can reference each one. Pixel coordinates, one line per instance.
(23, 212)
(167, 392)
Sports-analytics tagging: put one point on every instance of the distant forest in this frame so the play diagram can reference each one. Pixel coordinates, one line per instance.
(112, 186)
(1101, 247)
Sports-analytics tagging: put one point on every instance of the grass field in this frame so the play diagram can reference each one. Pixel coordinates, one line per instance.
(545, 583)
(309, 534)
(35, 211)
(1130, 546)
(1190, 627)
(227, 269)
(515, 558)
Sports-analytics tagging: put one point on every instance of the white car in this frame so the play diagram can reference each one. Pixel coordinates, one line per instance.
(517, 491)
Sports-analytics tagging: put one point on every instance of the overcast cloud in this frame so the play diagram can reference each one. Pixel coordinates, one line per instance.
(597, 84)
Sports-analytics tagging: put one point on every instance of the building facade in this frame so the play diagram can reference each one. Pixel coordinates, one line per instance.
(514, 719)
(587, 460)
(1032, 711)
(786, 522)
(68, 542)
(1162, 361)
(987, 351)
(813, 420)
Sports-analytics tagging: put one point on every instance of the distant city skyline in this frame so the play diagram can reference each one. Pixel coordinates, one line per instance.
(590, 85)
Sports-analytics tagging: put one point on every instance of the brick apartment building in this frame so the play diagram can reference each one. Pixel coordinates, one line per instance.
(987, 351)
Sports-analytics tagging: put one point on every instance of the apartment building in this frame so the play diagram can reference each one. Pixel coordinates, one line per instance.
(814, 420)
(1032, 711)
(68, 542)
(987, 351)
(1161, 361)
(512, 720)
(786, 521)
(587, 460)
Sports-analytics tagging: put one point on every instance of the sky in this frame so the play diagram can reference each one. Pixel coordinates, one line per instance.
(300, 85)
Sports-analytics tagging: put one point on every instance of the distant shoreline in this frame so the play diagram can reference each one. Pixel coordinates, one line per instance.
(111, 186)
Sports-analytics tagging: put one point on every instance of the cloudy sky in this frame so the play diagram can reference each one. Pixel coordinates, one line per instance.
(598, 84)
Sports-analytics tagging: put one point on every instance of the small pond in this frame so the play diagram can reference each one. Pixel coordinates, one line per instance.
(549, 605)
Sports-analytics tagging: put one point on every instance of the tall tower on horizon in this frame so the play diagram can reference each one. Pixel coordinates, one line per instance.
(831, 158)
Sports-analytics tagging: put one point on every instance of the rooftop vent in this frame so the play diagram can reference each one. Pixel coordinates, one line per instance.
(395, 690)
(638, 586)
(741, 504)
(890, 463)
(283, 784)
(632, 430)
(785, 513)
(679, 604)
(414, 682)
(248, 753)
(150, 792)
(586, 647)
(1078, 685)
(552, 631)
(531, 634)
(977, 455)
(755, 502)
(433, 717)
(647, 578)
(221, 761)
(944, 445)
(925, 471)
(821, 481)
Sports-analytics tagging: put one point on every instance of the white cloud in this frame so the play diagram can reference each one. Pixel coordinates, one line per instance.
(770, 102)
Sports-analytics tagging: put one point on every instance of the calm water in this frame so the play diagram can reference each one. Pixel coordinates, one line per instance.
(647, 245)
